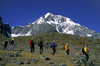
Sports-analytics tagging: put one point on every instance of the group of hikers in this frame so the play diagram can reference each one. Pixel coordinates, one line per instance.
(40, 44)
(11, 45)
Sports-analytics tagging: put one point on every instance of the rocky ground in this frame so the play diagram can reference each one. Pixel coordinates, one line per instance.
(25, 58)
(22, 56)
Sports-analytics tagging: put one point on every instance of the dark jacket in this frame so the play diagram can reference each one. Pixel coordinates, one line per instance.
(5, 44)
(41, 43)
(12, 42)
(32, 43)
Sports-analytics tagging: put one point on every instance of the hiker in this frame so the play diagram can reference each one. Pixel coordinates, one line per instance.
(67, 50)
(41, 46)
(53, 47)
(32, 45)
(84, 50)
(5, 45)
(11, 44)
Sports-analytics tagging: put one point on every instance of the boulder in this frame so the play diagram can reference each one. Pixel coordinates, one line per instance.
(76, 62)
(82, 59)
(73, 59)
(35, 60)
(13, 59)
(52, 65)
(51, 62)
(77, 54)
(89, 63)
(18, 51)
(44, 57)
(17, 55)
(10, 54)
(19, 63)
(26, 62)
(3, 63)
(62, 64)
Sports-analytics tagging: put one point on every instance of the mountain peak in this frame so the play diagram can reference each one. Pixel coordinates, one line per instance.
(47, 15)
(54, 23)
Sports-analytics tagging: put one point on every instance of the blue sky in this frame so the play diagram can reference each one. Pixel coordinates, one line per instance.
(21, 12)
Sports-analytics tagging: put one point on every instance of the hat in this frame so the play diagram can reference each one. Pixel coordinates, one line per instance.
(66, 43)
(53, 40)
(32, 38)
(12, 38)
(86, 45)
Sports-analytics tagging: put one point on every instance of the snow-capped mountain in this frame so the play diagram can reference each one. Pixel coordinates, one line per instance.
(53, 23)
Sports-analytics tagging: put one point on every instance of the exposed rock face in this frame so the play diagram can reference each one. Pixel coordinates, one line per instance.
(4, 28)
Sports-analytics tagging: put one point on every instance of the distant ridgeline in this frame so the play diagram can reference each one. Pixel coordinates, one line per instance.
(4, 28)
(50, 23)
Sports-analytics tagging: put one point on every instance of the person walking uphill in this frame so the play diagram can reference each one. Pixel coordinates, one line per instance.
(41, 46)
(32, 45)
(67, 50)
(12, 44)
(5, 45)
(84, 50)
(52, 45)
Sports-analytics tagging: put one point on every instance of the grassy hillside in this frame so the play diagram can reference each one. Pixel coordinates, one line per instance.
(75, 45)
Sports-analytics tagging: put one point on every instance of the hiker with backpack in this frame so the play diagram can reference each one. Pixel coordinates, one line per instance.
(52, 45)
(40, 44)
(11, 44)
(5, 45)
(32, 45)
(85, 51)
(67, 50)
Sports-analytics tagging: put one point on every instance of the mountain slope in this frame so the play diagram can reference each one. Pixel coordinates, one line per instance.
(22, 47)
(59, 24)
(32, 29)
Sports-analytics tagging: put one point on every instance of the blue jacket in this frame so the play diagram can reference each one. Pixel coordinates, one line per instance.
(53, 44)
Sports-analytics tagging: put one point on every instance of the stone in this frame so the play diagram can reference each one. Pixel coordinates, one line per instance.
(52, 65)
(73, 59)
(19, 63)
(77, 54)
(17, 55)
(89, 63)
(18, 51)
(81, 57)
(62, 64)
(3, 63)
(44, 57)
(13, 59)
(76, 62)
(35, 60)
(51, 62)
(11, 55)
(26, 62)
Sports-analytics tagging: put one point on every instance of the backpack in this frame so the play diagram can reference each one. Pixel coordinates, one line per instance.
(31, 42)
(64, 47)
(39, 44)
(83, 50)
(50, 45)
